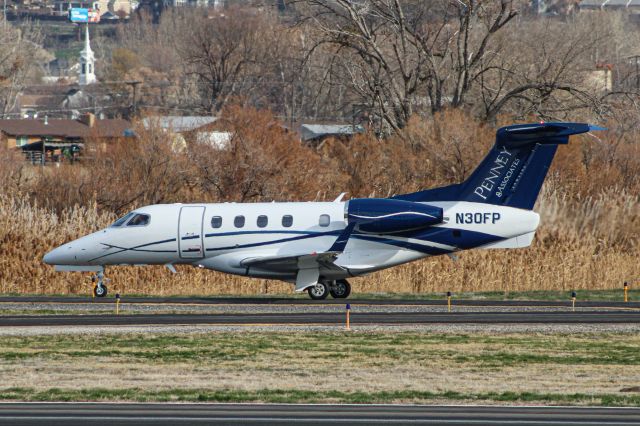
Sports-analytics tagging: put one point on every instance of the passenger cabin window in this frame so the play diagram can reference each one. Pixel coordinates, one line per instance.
(139, 220)
(216, 222)
(238, 221)
(122, 220)
(324, 220)
(287, 220)
(262, 221)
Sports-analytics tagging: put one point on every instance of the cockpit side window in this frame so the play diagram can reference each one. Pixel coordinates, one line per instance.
(122, 220)
(139, 220)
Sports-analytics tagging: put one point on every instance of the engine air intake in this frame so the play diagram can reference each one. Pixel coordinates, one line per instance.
(388, 216)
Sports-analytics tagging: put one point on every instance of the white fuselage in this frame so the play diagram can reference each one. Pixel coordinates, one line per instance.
(189, 234)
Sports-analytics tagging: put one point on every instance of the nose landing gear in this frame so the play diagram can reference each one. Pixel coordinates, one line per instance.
(99, 287)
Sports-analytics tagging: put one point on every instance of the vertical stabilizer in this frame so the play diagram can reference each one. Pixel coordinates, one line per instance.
(514, 170)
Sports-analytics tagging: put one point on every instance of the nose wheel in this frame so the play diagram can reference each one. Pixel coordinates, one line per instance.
(99, 287)
(100, 290)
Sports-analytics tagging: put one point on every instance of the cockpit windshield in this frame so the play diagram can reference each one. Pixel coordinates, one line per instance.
(122, 220)
(139, 220)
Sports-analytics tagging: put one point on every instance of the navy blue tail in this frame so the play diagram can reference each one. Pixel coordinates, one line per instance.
(513, 171)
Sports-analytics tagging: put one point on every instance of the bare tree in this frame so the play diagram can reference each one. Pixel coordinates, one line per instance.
(228, 54)
(19, 49)
(399, 55)
(544, 69)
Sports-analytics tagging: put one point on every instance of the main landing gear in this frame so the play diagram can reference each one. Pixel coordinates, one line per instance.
(99, 288)
(339, 289)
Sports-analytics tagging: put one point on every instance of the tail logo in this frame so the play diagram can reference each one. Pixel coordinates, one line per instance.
(507, 177)
(485, 189)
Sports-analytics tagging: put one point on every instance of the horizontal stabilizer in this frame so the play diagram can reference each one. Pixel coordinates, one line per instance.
(520, 241)
(542, 133)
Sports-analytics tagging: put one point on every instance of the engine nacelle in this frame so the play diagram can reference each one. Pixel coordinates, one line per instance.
(387, 216)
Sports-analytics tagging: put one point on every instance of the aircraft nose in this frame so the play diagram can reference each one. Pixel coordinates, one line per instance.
(57, 256)
(76, 252)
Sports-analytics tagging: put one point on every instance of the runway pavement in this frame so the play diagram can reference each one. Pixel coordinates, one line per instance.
(328, 318)
(115, 414)
(305, 301)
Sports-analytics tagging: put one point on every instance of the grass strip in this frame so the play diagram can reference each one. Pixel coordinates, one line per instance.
(307, 396)
(616, 295)
(390, 349)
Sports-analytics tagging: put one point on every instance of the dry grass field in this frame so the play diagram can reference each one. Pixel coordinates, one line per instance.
(332, 366)
(570, 252)
(589, 236)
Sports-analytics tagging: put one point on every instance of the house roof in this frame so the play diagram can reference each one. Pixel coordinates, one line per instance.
(109, 16)
(111, 128)
(178, 124)
(315, 131)
(597, 4)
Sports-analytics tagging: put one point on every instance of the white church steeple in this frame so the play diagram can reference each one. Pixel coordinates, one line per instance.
(87, 61)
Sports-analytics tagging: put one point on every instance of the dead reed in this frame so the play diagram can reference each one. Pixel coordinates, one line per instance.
(589, 236)
(590, 245)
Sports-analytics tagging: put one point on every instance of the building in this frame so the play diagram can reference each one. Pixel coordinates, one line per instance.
(316, 133)
(180, 129)
(632, 6)
(70, 101)
(178, 124)
(117, 7)
(87, 62)
(47, 139)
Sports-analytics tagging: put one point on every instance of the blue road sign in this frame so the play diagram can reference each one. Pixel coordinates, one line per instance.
(78, 14)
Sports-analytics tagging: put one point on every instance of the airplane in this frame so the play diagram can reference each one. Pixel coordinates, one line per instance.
(317, 246)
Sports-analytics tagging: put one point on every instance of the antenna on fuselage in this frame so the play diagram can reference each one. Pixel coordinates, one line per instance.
(340, 197)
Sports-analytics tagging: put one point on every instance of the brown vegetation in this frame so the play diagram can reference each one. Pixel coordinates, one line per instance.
(589, 237)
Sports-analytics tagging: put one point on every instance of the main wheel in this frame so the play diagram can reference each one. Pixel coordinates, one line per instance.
(319, 291)
(100, 290)
(341, 289)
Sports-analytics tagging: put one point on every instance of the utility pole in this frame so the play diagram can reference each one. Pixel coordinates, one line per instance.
(637, 74)
(134, 85)
(637, 66)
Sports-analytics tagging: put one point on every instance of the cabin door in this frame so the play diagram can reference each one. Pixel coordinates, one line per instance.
(190, 238)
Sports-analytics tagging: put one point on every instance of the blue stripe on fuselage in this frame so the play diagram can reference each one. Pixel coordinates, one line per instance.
(433, 251)
(136, 248)
(301, 235)
(466, 240)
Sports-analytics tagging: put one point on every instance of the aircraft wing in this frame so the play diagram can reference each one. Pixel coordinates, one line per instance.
(308, 266)
(294, 262)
